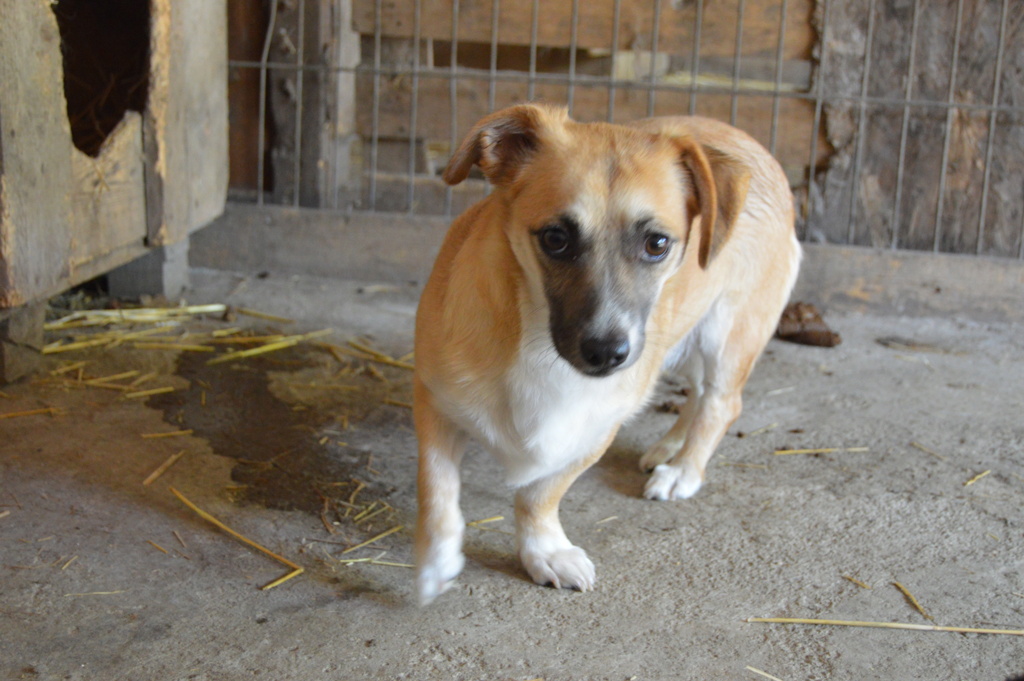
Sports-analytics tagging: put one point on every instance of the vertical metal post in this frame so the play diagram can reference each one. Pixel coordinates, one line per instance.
(778, 77)
(299, 82)
(818, 101)
(413, 106)
(492, 78)
(861, 125)
(261, 150)
(453, 99)
(950, 112)
(375, 116)
(616, 16)
(909, 90)
(698, 24)
(574, 26)
(992, 115)
(737, 56)
(654, 58)
(531, 79)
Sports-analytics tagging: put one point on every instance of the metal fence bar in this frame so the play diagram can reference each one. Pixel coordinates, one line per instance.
(262, 64)
(698, 22)
(861, 125)
(901, 165)
(414, 105)
(656, 24)
(616, 17)
(492, 81)
(737, 56)
(991, 128)
(299, 87)
(453, 98)
(574, 27)
(778, 78)
(818, 96)
(591, 80)
(531, 80)
(375, 113)
(949, 125)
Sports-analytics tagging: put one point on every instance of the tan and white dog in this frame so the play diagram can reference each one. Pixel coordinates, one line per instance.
(605, 254)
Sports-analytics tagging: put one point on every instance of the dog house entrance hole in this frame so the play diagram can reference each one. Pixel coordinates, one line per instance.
(105, 46)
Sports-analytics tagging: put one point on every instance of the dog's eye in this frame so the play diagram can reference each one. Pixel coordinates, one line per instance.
(555, 241)
(656, 246)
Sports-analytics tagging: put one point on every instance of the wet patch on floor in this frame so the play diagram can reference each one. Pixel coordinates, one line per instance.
(296, 424)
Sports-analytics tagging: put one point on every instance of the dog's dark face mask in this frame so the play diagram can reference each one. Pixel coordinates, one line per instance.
(601, 282)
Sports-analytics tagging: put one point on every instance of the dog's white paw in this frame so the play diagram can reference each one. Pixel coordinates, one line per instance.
(655, 456)
(669, 482)
(567, 568)
(436, 575)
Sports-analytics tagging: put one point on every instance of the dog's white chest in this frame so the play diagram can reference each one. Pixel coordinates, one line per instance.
(544, 415)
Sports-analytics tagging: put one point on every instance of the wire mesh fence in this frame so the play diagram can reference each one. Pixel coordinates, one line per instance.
(898, 122)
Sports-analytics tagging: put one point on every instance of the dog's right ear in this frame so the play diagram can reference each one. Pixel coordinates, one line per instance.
(501, 143)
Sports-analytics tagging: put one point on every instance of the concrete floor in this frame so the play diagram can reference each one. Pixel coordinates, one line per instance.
(104, 578)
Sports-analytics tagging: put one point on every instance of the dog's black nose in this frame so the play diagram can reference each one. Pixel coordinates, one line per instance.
(604, 354)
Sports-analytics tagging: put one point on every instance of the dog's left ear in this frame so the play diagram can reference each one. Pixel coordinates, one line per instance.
(501, 143)
(720, 183)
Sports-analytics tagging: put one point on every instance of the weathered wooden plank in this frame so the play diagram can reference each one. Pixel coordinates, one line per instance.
(186, 117)
(35, 144)
(595, 23)
(796, 117)
(108, 199)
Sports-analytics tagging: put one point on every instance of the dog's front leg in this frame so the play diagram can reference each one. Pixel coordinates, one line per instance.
(439, 524)
(547, 554)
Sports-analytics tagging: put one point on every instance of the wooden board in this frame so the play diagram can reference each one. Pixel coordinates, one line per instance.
(595, 24)
(108, 199)
(796, 117)
(186, 118)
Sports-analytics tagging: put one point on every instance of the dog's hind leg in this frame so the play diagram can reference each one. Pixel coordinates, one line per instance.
(714, 410)
(439, 524)
(547, 554)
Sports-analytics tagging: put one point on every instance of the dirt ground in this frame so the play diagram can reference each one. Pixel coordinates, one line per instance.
(310, 452)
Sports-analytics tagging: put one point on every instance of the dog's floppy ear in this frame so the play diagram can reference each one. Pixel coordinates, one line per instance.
(501, 143)
(720, 182)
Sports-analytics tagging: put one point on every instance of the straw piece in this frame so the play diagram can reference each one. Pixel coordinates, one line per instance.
(374, 539)
(97, 593)
(286, 342)
(918, 445)
(65, 566)
(762, 429)
(296, 569)
(607, 520)
(976, 478)
(397, 403)
(147, 393)
(54, 348)
(30, 412)
(856, 581)
(74, 366)
(351, 352)
(913, 601)
(883, 625)
(157, 546)
(112, 377)
(162, 468)
(764, 674)
(263, 315)
(494, 519)
(173, 433)
(4, 514)
(184, 347)
(824, 450)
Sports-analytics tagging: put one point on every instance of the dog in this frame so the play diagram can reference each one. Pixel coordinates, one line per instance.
(604, 255)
